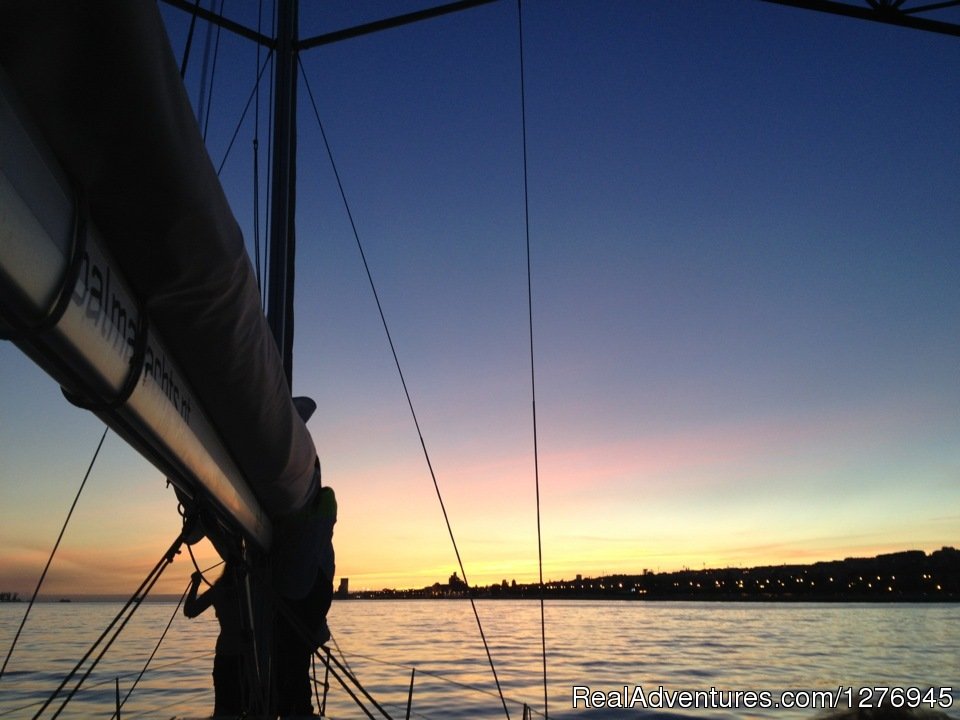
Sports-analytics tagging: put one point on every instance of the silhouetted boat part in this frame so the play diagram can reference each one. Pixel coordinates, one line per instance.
(161, 333)
(93, 338)
(123, 273)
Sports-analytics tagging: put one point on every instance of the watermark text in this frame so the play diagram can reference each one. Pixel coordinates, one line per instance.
(660, 698)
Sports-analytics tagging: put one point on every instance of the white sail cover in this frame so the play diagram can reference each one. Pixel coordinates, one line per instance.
(100, 82)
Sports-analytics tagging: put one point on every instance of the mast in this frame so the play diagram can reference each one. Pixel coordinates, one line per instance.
(284, 174)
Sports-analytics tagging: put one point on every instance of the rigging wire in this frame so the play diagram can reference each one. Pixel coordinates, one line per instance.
(179, 662)
(203, 110)
(202, 90)
(133, 604)
(189, 43)
(306, 636)
(163, 635)
(434, 675)
(533, 373)
(53, 552)
(243, 116)
(313, 678)
(213, 74)
(123, 676)
(352, 678)
(337, 646)
(269, 214)
(256, 161)
(403, 382)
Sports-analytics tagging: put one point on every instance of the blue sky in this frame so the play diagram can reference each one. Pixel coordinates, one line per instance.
(746, 288)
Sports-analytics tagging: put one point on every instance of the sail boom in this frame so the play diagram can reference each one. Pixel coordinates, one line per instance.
(89, 347)
(125, 135)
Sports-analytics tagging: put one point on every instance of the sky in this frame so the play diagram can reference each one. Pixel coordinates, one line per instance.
(745, 264)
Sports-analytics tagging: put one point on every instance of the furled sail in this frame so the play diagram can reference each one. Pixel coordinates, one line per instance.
(99, 82)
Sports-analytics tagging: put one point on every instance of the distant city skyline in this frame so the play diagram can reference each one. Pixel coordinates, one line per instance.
(909, 565)
(745, 280)
(905, 576)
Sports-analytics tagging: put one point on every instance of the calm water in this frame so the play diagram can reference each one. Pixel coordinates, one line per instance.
(603, 645)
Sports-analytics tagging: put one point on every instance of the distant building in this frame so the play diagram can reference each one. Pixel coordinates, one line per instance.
(343, 590)
(455, 583)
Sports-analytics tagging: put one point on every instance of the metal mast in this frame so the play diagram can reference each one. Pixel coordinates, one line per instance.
(284, 176)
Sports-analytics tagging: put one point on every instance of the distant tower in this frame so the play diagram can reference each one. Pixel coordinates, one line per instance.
(456, 583)
(343, 590)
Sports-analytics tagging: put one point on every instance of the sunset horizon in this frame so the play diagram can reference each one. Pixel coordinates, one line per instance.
(745, 283)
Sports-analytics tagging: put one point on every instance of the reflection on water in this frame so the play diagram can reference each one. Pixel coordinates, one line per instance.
(602, 645)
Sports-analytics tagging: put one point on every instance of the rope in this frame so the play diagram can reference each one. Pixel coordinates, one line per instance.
(132, 604)
(197, 567)
(156, 647)
(403, 382)
(533, 374)
(53, 552)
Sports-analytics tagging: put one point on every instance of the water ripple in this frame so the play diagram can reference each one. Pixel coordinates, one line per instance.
(601, 645)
